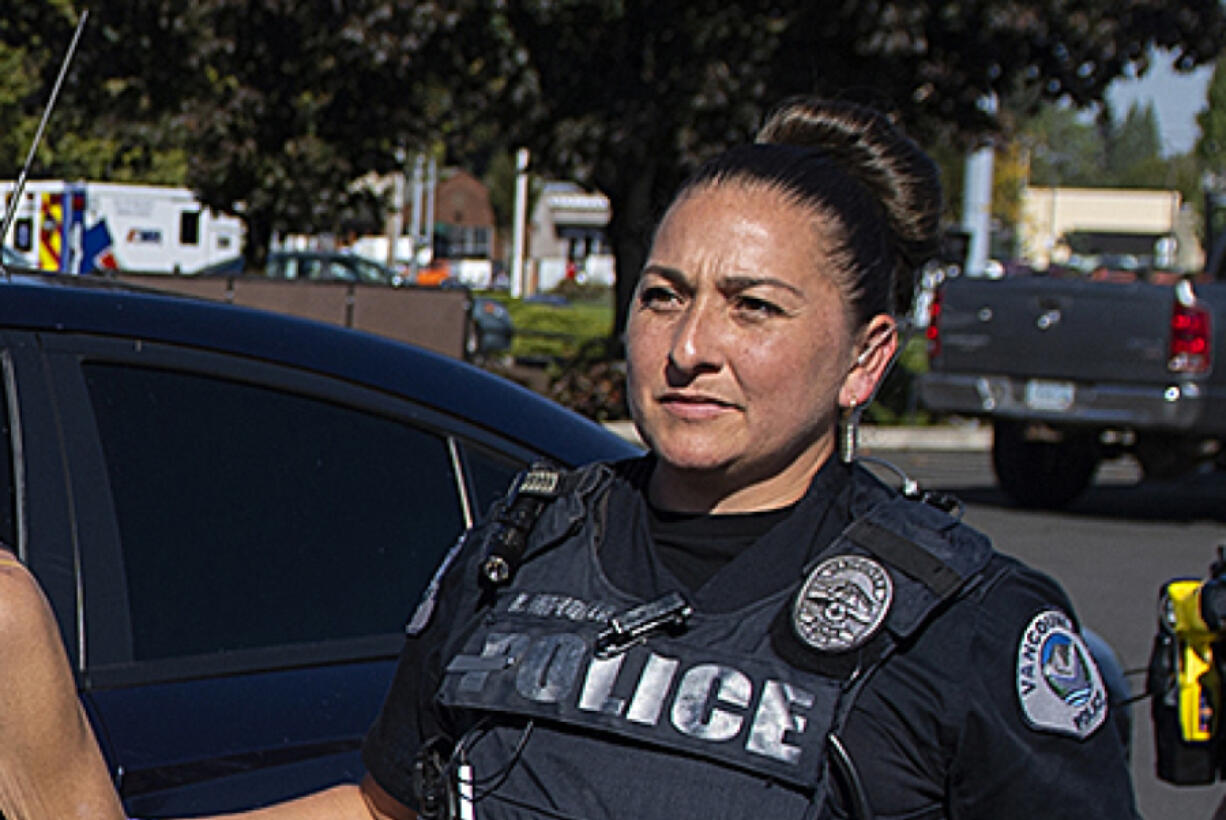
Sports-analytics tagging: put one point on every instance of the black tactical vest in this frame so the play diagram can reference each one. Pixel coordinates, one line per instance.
(706, 720)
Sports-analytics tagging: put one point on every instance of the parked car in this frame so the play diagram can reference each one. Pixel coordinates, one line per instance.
(233, 514)
(491, 328)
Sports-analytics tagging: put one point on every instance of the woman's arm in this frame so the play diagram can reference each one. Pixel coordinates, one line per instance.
(366, 801)
(50, 765)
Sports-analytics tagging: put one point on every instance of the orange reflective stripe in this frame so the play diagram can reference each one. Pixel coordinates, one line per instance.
(50, 233)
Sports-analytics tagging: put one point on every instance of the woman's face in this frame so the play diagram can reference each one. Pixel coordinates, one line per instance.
(740, 351)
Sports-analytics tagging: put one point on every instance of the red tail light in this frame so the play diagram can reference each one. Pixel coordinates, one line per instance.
(1190, 339)
(933, 332)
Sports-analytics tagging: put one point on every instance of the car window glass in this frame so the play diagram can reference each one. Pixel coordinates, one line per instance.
(370, 272)
(251, 517)
(338, 271)
(8, 487)
(491, 475)
(280, 267)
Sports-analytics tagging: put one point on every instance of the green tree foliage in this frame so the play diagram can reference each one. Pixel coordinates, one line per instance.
(1066, 150)
(297, 102)
(28, 62)
(114, 120)
(1211, 146)
(1211, 152)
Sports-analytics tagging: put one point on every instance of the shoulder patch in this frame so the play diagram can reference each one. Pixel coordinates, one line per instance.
(1059, 686)
(429, 598)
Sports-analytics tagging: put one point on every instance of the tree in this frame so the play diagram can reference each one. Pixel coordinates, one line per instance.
(298, 102)
(628, 96)
(1064, 150)
(277, 112)
(1211, 146)
(114, 117)
(27, 58)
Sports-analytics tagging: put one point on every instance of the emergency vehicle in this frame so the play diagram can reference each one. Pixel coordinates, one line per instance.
(86, 227)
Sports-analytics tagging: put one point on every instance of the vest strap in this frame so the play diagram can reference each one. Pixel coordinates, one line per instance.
(906, 556)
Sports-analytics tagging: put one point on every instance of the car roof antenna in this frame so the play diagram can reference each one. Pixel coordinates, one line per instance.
(11, 211)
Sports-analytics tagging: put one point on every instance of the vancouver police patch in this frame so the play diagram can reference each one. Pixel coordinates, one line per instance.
(842, 603)
(1058, 683)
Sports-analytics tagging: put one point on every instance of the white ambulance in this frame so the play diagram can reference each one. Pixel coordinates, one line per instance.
(86, 227)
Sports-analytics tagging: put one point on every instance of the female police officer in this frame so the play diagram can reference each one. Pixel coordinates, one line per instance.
(741, 623)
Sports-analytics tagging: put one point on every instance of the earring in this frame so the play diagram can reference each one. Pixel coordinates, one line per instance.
(849, 432)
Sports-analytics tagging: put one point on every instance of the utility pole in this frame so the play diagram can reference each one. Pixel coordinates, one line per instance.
(977, 208)
(977, 199)
(419, 163)
(520, 219)
(395, 223)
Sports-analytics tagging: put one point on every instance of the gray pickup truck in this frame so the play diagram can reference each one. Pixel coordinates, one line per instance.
(1071, 371)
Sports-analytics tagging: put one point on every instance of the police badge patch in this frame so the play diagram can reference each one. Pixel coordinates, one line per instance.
(842, 603)
(1058, 683)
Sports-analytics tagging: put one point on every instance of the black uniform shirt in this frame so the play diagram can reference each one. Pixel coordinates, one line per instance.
(937, 732)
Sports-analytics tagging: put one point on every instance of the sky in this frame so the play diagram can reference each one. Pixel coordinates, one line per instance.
(1176, 97)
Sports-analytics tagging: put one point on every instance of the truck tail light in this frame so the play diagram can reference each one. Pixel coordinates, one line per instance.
(1190, 339)
(933, 332)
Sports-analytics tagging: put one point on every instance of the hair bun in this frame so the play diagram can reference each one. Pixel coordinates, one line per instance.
(894, 170)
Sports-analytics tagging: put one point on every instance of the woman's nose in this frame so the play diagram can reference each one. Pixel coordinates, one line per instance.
(697, 343)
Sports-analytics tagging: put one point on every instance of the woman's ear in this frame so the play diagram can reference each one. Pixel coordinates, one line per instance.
(878, 344)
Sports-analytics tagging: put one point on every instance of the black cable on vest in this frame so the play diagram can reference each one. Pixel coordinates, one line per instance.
(860, 809)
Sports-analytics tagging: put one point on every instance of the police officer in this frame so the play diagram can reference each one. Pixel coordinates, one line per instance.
(741, 623)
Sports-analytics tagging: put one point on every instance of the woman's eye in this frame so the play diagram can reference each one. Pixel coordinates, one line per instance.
(758, 308)
(658, 296)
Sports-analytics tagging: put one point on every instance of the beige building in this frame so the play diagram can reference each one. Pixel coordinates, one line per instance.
(568, 237)
(1068, 225)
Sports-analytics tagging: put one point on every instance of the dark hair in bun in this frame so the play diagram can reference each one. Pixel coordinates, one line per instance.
(852, 166)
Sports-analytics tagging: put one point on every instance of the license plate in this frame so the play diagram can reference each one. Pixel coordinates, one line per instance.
(1045, 395)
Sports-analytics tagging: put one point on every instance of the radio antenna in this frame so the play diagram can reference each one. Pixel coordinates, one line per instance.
(11, 211)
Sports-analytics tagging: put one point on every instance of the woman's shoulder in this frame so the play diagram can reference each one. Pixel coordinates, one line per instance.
(21, 598)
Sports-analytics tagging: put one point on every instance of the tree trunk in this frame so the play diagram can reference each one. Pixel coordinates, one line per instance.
(630, 229)
(256, 242)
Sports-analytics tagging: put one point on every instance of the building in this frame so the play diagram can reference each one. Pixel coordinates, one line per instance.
(1151, 228)
(568, 237)
(464, 225)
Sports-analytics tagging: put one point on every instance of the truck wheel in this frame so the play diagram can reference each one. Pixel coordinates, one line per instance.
(1046, 471)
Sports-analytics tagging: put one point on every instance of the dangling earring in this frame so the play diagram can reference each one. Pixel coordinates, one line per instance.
(849, 432)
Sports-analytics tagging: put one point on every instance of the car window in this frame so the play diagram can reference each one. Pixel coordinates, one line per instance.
(252, 517)
(336, 270)
(369, 272)
(280, 267)
(491, 475)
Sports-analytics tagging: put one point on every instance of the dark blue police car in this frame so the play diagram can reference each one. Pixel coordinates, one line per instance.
(233, 514)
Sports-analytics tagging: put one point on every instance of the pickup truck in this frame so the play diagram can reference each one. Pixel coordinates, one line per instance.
(1070, 371)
